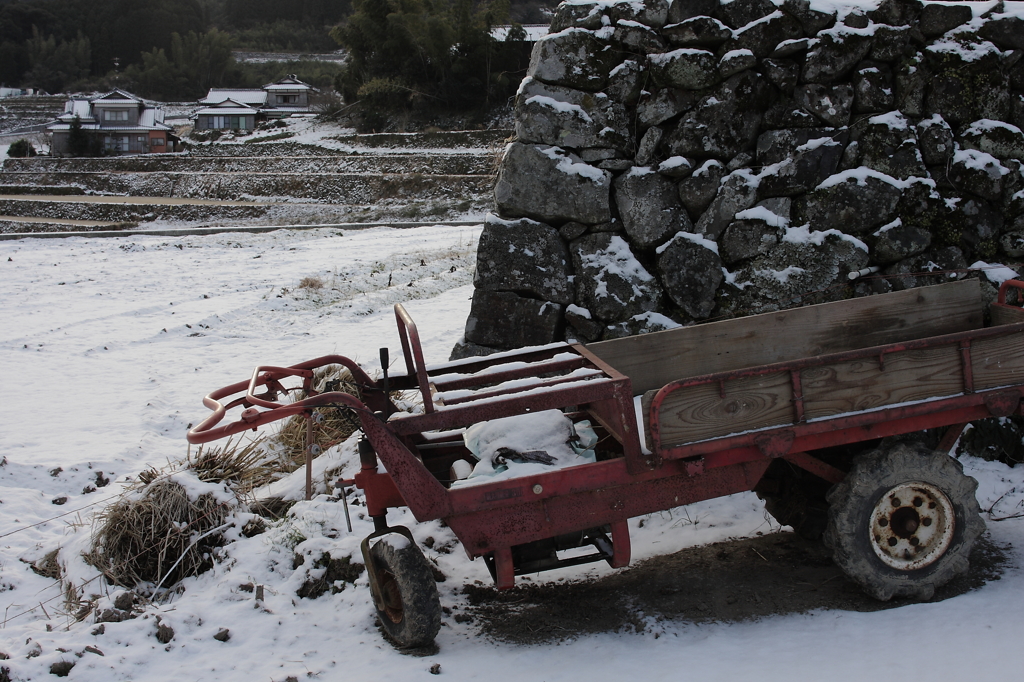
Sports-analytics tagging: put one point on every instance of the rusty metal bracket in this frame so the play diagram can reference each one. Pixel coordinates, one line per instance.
(775, 444)
(1002, 404)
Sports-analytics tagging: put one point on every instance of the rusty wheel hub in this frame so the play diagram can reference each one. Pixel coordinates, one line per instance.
(912, 526)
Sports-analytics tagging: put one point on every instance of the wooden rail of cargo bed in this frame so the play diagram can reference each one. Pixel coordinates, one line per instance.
(840, 398)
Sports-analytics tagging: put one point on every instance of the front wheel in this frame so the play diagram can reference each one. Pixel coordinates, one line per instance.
(411, 613)
(903, 521)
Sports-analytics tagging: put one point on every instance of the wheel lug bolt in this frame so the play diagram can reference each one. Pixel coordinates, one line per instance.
(918, 501)
(883, 522)
(896, 502)
(926, 521)
(914, 541)
(892, 542)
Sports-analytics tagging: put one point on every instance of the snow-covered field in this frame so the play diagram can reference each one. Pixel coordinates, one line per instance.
(108, 346)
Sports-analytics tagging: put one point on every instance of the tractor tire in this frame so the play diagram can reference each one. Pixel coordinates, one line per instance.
(903, 521)
(412, 608)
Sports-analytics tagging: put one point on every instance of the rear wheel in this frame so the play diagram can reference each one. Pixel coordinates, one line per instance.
(903, 521)
(412, 608)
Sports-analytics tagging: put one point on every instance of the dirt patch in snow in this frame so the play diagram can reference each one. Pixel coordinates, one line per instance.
(723, 582)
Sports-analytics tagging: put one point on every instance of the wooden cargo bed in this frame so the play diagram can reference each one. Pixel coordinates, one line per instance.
(814, 363)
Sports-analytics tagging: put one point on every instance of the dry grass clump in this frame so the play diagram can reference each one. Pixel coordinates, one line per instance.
(335, 423)
(243, 465)
(313, 283)
(149, 538)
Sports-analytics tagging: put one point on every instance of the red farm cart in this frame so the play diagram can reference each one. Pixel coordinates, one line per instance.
(805, 406)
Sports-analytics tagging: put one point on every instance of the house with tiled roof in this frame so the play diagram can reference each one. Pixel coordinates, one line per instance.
(119, 123)
(231, 109)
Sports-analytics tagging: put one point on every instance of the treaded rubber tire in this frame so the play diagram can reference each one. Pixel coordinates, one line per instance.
(854, 504)
(412, 616)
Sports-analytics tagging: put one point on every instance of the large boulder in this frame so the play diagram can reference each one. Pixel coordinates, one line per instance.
(937, 17)
(649, 206)
(890, 43)
(725, 122)
(663, 105)
(763, 35)
(1005, 30)
(808, 166)
(805, 263)
(697, 191)
(736, 193)
(774, 146)
(574, 58)
(888, 144)
(588, 15)
(610, 282)
(701, 31)
(911, 85)
(832, 104)
(966, 81)
(753, 233)
(652, 13)
(688, 68)
(1001, 140)
(979, 173)
(573, 119)
(838, 51)
(935, 139)
(691, 271)
(624, 82)
(872, 89)
(856, 202)
(896, 241)
(501, 319)
(552, 186)
(739, 13)
(812, 20)
(681, 10)
(525, 257)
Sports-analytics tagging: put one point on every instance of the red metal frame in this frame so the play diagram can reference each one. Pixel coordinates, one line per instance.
(492, 518)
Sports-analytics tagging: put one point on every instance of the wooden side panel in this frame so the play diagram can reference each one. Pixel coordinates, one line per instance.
(653, 360)
(998, 361)
(864, 385)
(700, 412)
(1003, 314)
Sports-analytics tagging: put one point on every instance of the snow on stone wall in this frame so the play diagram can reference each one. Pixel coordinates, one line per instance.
(678, 162)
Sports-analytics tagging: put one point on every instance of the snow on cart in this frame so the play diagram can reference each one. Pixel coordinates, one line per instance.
(531, 455)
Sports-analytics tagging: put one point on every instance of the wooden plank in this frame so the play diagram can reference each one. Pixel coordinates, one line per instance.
(862, 384)
(653, 360)
(1003, 314)
(699, 412)
(998, 361)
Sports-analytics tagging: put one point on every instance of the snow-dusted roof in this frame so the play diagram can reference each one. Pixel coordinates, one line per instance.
(289, 82)
(248, 97)
(276, 87)
(228, 106)
(117, 96)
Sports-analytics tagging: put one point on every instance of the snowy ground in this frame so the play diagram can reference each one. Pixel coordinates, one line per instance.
(109, 346)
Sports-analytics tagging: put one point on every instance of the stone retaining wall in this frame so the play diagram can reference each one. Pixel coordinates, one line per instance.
(435, 163)
(701, 159)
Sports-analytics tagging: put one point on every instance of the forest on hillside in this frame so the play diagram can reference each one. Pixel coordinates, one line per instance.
(401, 52)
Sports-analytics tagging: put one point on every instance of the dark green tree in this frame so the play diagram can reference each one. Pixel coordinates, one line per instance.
(78, 139)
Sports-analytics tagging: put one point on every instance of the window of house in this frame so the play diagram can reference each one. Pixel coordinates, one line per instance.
(287, 99)
(116, 143)
(227, 123)
(157, 141)
(109, 115)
